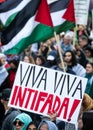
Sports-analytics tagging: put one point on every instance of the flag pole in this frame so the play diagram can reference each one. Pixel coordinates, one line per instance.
(75, 35)
(92, 20)
(92, 27)
(59, 50)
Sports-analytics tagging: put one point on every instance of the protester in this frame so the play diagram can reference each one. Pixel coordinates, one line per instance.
(31, 126)
(67, 43)
(3, 77)
(83, 42)
(47, 125)
(89, 76)
(29, 59)
(89, 54)
(4, 83)
(52, 59)
(21, 121)
(14, 62)
(10, 113)
(82, 30)
(4, 60)
(87, 105)
(70, 59)
(62, 68)
(43, 50)
(40, 60)
(25, 52)
(81, 57)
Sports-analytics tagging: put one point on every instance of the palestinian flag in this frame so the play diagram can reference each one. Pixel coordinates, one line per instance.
(32, 23)
(9, 10)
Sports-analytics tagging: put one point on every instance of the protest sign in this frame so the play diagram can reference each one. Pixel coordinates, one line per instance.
(51, 1)
(41, 90)
(81, 11)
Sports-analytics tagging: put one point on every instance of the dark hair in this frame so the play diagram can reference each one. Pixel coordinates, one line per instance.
(5, 94)
(90, 64)
(42, 58)
(74, 59)
(83, 38)
(31, 123)
(89, 49)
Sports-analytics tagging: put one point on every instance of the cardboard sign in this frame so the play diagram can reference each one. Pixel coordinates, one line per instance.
(41, 90)
(81, 11)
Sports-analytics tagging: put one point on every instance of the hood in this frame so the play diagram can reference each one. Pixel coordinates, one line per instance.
(25, 118)
(51, 125)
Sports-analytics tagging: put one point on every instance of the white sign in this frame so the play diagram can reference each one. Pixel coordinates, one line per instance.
(51, 1)
(41, 90)
(81, 11)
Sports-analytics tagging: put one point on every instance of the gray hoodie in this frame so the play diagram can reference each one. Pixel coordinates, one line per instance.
(51, 125)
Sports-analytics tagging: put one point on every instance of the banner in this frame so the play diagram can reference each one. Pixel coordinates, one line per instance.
(41, 90)
(81, 11)
(51, 1)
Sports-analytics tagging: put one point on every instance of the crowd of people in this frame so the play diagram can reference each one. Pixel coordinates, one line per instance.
(77, 60)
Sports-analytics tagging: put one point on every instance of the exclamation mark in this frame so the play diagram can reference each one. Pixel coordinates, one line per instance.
(74, 106)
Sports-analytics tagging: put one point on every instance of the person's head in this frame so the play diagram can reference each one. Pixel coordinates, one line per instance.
(4, 97)
(40, 60)
(31, 126)
(53, 55)
(62, 34)
(44, 48)
(67, 39)
(2, 58)
(83, 41)
(88, 52)
(14, 62)
(21, 121)
(89, 68)
(28, 59)
(47, 125)
(70, 58)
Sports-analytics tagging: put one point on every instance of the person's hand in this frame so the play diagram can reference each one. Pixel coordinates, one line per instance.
(80, 124)
(52, 115)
